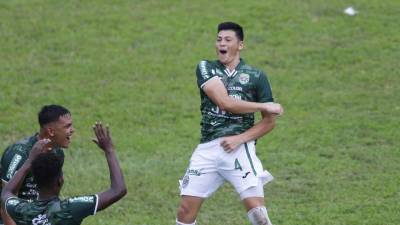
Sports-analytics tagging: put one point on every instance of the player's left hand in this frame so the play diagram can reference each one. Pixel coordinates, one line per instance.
(231, 143)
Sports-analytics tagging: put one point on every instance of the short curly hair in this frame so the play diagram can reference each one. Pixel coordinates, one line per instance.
(46, 168)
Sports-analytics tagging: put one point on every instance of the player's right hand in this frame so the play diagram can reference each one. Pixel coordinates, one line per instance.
(103, 137)
(274, 108)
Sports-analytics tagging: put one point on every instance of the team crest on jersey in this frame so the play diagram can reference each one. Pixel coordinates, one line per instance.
(244, 78)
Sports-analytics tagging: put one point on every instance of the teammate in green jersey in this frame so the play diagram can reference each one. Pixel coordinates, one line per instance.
(231, 91)
(55, 124)
(46, 168)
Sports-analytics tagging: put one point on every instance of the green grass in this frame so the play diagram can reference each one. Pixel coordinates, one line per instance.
(334, 154)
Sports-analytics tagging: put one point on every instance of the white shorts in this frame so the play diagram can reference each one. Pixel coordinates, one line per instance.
(210, 166)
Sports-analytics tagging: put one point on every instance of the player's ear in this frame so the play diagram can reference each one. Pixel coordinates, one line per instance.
(60, 181)
(50, 131)
(241, 45)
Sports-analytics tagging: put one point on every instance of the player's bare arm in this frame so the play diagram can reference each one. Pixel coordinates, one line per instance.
(117, 188)
(7, 220)
(264, 126)
(12, 187)
(217, 92)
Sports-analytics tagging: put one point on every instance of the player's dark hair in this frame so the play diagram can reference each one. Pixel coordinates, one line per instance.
(232, 26)
(46, 168)
(51, 113)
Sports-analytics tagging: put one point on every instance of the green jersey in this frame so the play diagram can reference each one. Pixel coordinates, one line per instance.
(245, 82)
(14, 157)
(70, 211)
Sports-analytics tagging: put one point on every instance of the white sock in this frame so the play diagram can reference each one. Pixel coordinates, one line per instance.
(259, 216)
(180, 223)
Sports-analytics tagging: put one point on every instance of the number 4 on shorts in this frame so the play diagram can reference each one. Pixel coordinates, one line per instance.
(237, 165)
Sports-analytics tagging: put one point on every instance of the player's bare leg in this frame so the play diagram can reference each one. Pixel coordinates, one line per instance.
(188, 209)
(256, 211)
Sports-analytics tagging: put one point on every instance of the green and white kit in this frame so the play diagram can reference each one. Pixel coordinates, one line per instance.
(14, 157)
(70, 211)
(210, 165)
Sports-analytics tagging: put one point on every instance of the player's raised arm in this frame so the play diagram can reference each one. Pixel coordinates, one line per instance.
(117, 188)
(216, 91)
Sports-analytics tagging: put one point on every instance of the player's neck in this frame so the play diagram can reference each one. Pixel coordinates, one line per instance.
(232, 64)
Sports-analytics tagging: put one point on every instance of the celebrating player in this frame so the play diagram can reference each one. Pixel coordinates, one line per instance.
(55, 124)
(231, 91)
(47, 171)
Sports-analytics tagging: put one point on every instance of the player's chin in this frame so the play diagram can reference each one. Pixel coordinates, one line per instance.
(223, 58)
(66, 144)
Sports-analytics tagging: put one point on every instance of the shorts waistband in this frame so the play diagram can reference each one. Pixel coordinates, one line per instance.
(215, 142)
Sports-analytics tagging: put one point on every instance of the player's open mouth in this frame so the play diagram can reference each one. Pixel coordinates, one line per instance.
(223, 52)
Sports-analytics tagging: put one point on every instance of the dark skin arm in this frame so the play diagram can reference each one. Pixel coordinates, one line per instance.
(117, 188)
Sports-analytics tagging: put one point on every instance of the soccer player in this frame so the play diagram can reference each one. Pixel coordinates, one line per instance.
(231, 91)
(55, 124)
(46, 168)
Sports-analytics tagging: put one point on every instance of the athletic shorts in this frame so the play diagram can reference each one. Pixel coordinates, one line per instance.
(210, 166)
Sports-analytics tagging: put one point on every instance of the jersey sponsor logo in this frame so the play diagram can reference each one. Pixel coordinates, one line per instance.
(41, 219)
(203, 69)
(244, 78)
(224, 116)
(13, 165)
(235, 88)
(82, 199)
(236, 96)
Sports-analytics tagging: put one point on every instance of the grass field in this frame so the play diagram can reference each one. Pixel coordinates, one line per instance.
(334, 154)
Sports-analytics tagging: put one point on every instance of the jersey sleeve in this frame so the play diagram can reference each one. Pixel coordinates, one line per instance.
(264, 92)
(83, 206)
(11, 206)
(204, 73)
(13, 158)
